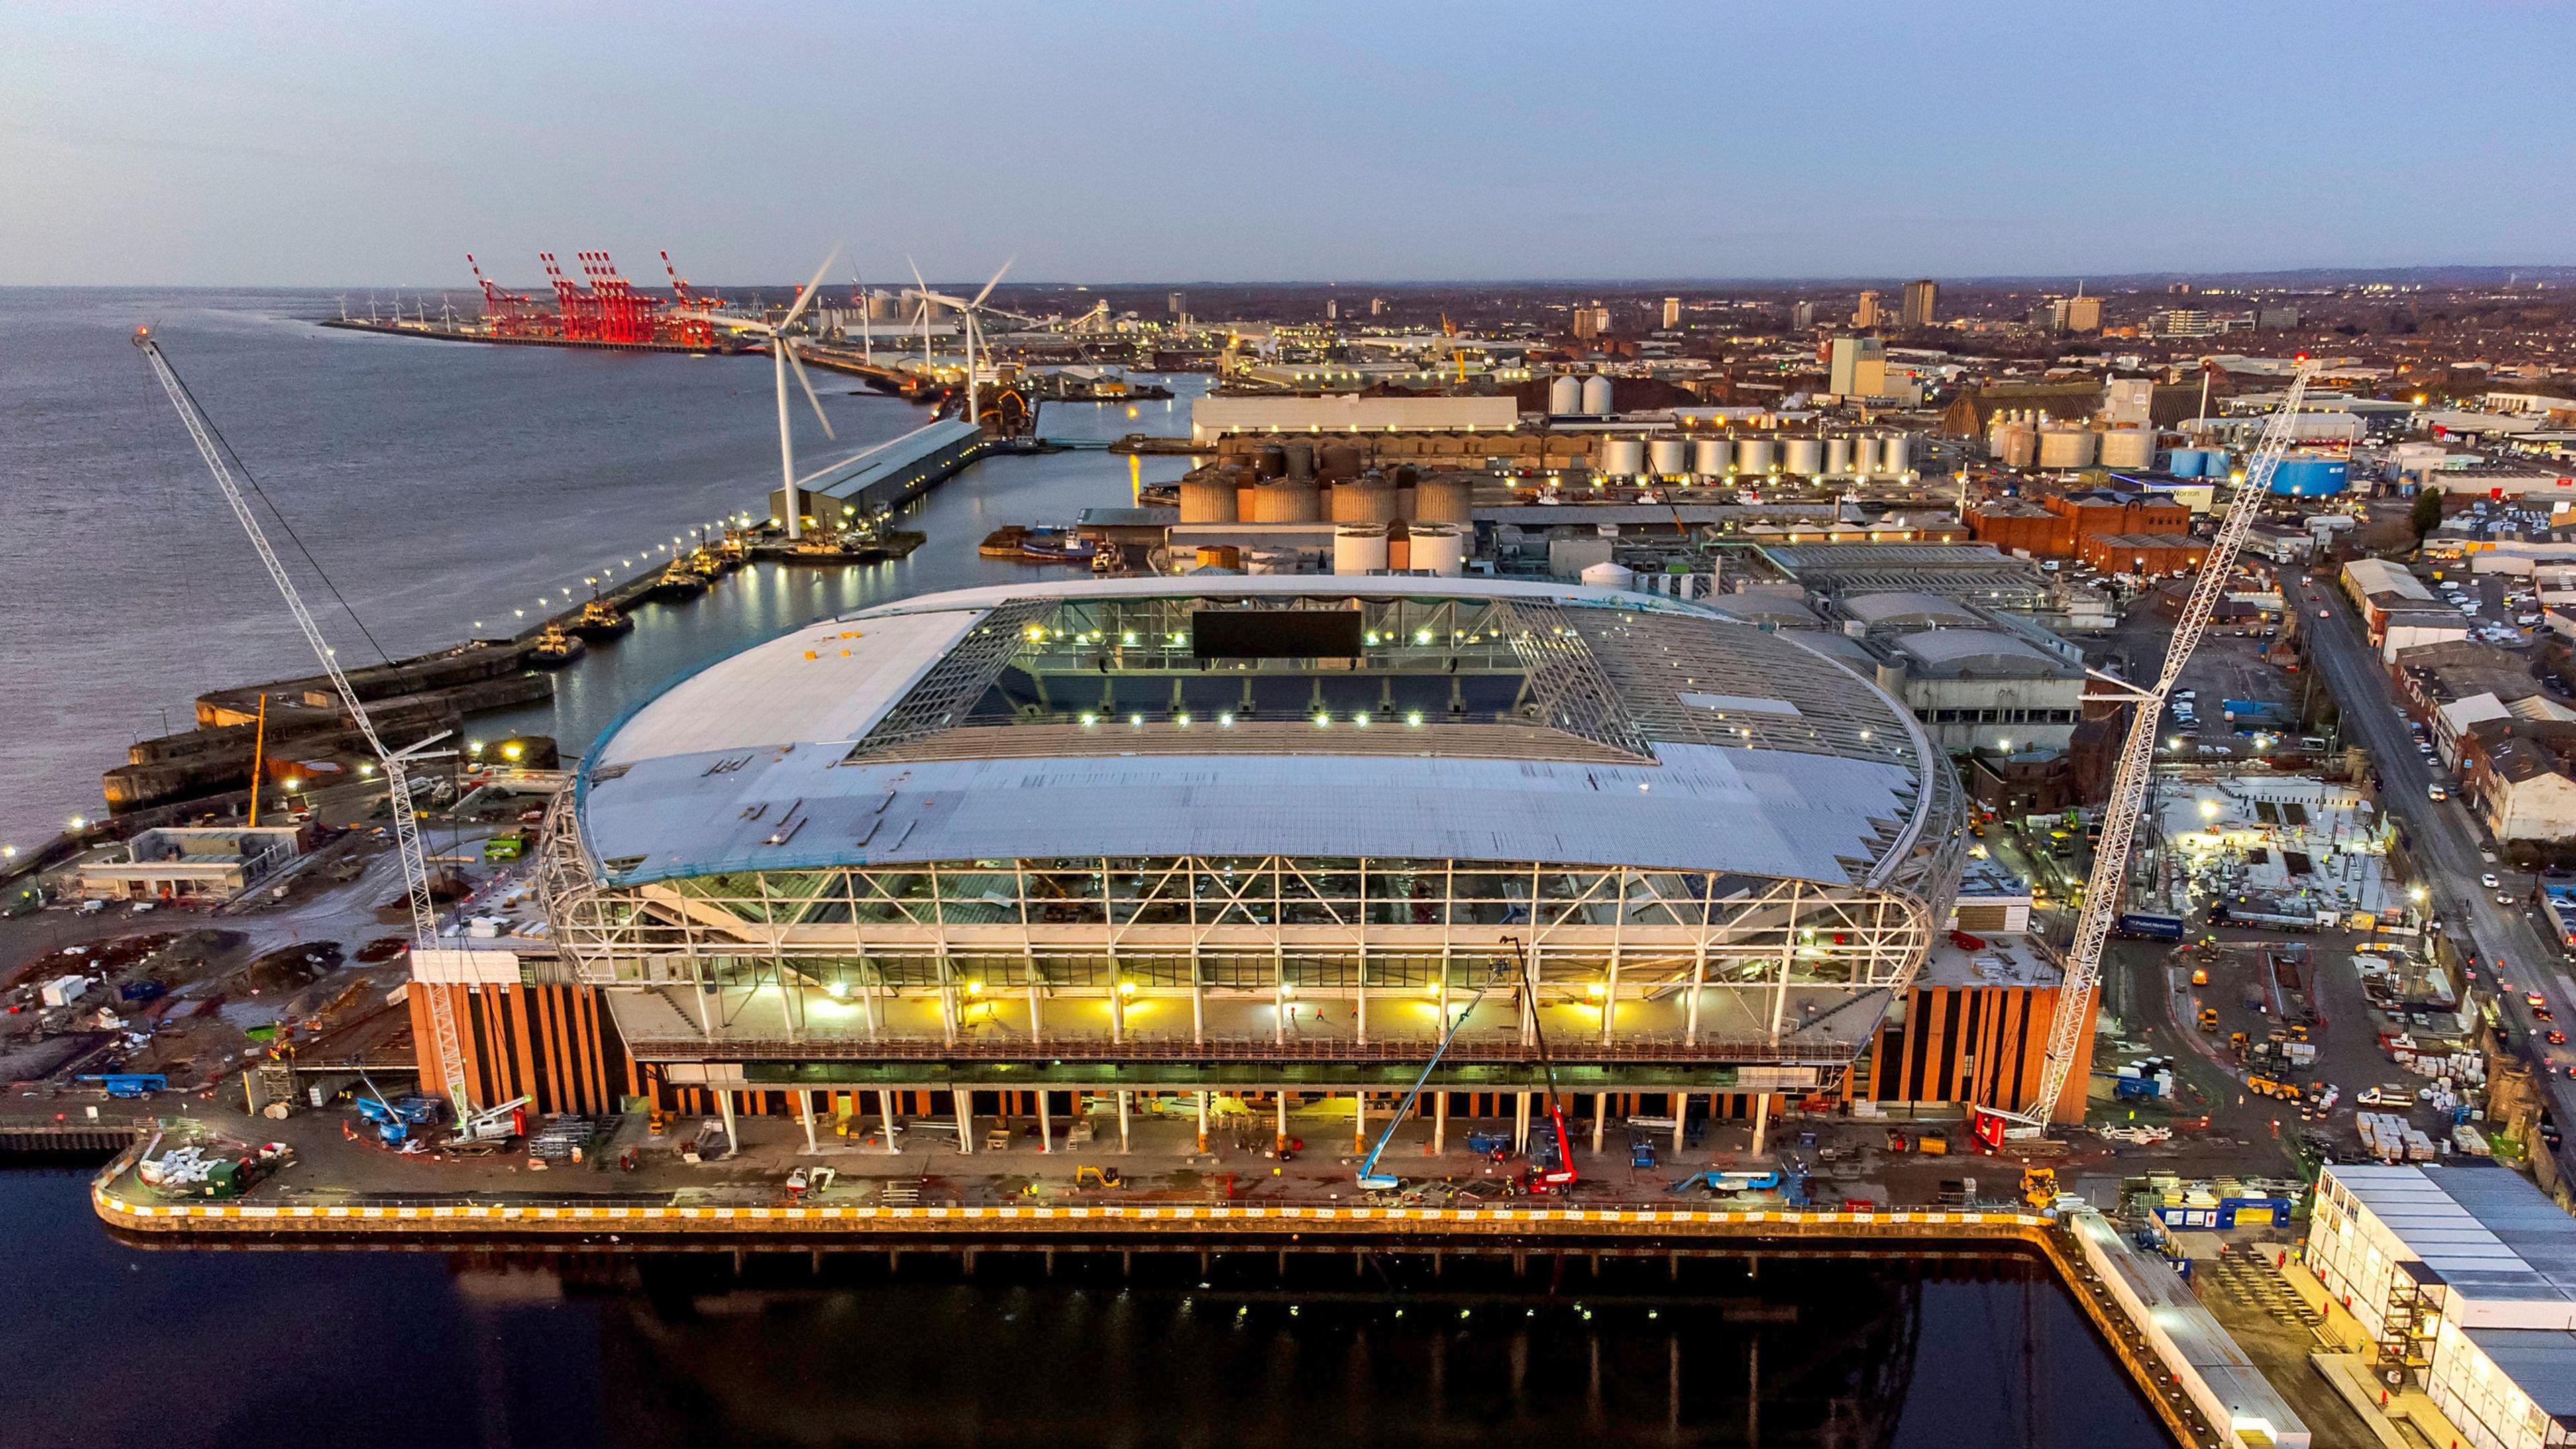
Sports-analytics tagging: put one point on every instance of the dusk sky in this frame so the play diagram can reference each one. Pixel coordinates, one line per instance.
(337, 145)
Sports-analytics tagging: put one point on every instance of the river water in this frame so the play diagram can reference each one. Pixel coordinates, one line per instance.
(439, 485)
(118, 1344)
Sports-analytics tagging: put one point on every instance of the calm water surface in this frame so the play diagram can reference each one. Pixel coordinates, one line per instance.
(179, 1349)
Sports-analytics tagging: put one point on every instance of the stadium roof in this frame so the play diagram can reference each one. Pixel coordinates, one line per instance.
(1639, 731)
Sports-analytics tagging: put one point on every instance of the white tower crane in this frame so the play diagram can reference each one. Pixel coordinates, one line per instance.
(397, 763)
(2107, 884)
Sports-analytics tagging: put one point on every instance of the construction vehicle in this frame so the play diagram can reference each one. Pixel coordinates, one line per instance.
(1372, 1180)
(1933, 1144)
(1723, 1180)
(2209, 1021)
(394, 1122)
(491, 1128)
(2200, 976)
(128, 1085)
(1542, 1178)
(2106, 886)
(2039, 1186)
(1641, 1152)
(219, 458)
(1496, 1145)
(1099, 1177)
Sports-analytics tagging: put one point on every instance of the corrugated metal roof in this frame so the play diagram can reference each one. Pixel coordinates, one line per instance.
(745, 765)
(2491, 1237)
(2541, 1362)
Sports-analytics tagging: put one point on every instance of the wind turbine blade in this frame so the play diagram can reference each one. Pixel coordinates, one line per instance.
(796, 365)
(997, 281)
(808, 294)
(719, 319)
(917, 283)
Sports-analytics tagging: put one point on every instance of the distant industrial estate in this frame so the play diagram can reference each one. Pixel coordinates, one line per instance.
(2093, 767)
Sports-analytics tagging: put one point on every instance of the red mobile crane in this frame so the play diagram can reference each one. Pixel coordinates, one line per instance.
(1560, 1178)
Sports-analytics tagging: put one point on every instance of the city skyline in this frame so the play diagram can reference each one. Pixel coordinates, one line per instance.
(1229, 143)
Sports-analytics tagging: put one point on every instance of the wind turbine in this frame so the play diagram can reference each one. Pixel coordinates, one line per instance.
(782, 357)
(966, 310)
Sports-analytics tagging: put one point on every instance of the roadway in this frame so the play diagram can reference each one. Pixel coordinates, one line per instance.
(2446, 841)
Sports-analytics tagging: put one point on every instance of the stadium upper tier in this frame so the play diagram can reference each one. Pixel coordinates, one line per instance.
(1275, 716)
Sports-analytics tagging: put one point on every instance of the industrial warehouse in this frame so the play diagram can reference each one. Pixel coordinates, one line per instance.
(1241, 838)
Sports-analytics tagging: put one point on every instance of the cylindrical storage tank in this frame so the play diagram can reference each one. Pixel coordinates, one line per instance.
(1364, 500)
(1895, 454)
(1623, 457)
(1865, 455)
(1270, 462)
(2128, 448)
(1439, 549)
(1806, 456)
(2065, 445)
(1596, 396)
(1709, 457)
(1286, 501)
(1269, 561)
(1337, 461)
(1220, 556)
(1753, 457)
(2020, 447)
(1669, 457)
(1838, 459)
(1359, 548)
(1565, 396)
(1301, 460)
(2310, 477)
(1610, 576)
(1208, 498)
(1448, 499)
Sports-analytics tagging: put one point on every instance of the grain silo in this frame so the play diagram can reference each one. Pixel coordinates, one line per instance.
(1338, 460)
(1596, 397)
(1895, 454)
(1622, 457)
(1710, 457)
(1669, 457)
(1300, 459)
(2017, 445)
(1865, 453)
(1838, 459)
(1565, 396)
(1806, 456)
(1753, 457)
(1610, 576)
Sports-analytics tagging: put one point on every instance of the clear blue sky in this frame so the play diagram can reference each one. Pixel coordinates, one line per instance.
(372, 145)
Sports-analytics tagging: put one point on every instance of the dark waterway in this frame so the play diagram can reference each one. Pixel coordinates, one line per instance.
(441, 484)
(128, 1345)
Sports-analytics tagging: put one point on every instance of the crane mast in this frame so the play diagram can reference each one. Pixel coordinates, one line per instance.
(396, 763)
(2105, 885)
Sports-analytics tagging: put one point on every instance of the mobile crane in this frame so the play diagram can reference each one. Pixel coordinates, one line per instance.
(1370, 1179)
(2107, 883)
(1540, 1179)
(396, 763)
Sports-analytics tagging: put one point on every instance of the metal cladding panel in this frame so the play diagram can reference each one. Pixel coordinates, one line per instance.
(826, 681)
(2541, 1362)
(1714, 808)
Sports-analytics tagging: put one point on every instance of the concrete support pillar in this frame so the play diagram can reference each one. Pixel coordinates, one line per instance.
(1761, 1121)
(1283, 1119)
(1203, 1122)
(1122, 1120)
(805, 1111)
(1046, 1125)
(1681, 1118)
(1439, 1123)
(1359, 1121)
(885, 1114)
(965, 1121)
(1520, 1122)
(724, 1106)
(1600, 1119)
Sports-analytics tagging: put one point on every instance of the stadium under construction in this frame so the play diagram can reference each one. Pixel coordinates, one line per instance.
(1248, 840)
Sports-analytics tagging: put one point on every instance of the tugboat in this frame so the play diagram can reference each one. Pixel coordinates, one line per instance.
(600, 619)
(554, 649)
(1051, 543)
(1003, 542)
(679, 581)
